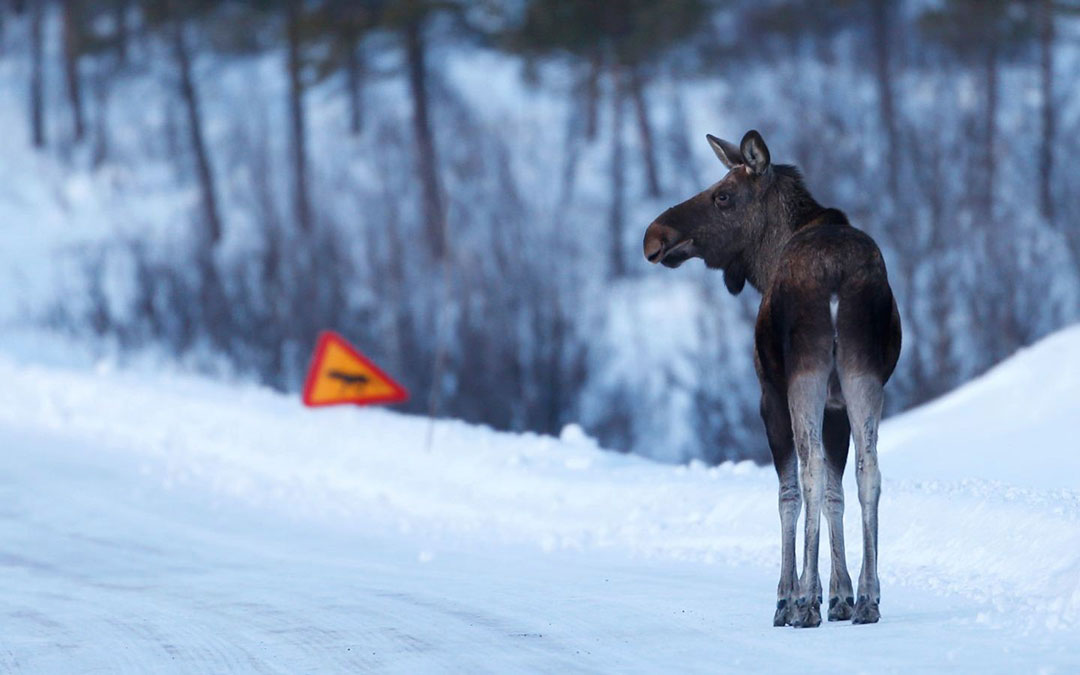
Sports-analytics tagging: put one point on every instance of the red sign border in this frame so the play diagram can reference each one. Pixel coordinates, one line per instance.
(328, 337)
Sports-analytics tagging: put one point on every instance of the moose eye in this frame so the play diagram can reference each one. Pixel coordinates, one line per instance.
(721, 198)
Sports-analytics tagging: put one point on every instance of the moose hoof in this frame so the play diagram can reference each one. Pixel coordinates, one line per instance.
(866, 611)
(807, 613)
(785, 613)
(841, 609)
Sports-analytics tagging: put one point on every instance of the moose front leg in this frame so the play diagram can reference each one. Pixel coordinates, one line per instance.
(806, 396)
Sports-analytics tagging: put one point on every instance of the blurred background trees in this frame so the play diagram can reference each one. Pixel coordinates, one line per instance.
(624, 42)
(461, 187)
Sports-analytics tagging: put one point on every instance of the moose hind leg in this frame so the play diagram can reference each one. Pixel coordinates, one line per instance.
(774, 412)
(837, 435)
(806, 395)
(864, 395)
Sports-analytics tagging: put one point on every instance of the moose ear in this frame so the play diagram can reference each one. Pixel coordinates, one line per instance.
(755, 152)
(727, 152)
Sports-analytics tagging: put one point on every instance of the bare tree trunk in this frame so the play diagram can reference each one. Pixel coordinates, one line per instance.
(592, 95)
(886, 97)
(204, 171)
(70, 22)
(121, 19)
(211, 291)
(1046, 71)
(581, 123)
(618, 176)
(99, 91)
(37, 77)
(678, 141)
(933, 372)
(990, 130)
(571, 151)
(426, 157)
(296, 121)
(648, 147)
(354, 74)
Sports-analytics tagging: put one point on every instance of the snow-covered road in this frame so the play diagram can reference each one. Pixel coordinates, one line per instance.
(166, 523)
(104, 571)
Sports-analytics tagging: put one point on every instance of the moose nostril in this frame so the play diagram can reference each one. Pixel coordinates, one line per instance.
(653, 248)
(657, 239)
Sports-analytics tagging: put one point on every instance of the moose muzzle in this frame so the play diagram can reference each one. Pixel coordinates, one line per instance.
(665, 244)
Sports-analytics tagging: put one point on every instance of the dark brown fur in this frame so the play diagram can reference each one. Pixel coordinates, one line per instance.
(759, 224)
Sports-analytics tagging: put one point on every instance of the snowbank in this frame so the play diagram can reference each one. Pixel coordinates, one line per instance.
(953, 517)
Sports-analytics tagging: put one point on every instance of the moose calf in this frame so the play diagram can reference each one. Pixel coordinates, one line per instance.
(827, 339)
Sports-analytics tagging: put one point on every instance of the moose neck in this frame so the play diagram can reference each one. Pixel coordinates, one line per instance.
(788, 208)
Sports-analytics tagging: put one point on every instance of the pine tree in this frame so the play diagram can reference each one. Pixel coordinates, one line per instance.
(410, 20)
(624, 39)
(983, 33)
(341, 26)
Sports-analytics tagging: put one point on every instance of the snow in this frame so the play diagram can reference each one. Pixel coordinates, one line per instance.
(155, 520)
(1009, 425)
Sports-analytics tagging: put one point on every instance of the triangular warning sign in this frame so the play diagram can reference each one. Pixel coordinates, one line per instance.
(340, 374)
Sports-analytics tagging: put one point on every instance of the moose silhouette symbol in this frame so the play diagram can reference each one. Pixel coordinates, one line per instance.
(349, 379)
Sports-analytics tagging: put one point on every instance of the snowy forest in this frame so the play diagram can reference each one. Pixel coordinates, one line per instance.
(461, 189)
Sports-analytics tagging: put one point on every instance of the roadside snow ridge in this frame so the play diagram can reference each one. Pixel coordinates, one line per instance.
(978, 495)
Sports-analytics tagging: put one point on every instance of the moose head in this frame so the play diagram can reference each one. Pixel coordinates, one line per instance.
(726, 224)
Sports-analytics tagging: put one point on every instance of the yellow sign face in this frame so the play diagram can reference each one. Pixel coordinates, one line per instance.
(340, 374)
